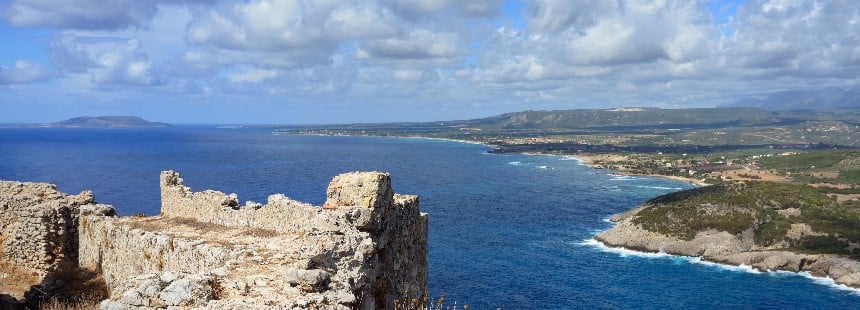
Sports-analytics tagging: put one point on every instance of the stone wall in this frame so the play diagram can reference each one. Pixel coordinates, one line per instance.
(109, 244)
(280, 214)
(38, 226)
(363, 249)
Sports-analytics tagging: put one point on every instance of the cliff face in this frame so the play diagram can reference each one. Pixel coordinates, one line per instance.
(731, 248)
(364, 249)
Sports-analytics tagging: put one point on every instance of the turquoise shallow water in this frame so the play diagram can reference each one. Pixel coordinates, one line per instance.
(505, 230)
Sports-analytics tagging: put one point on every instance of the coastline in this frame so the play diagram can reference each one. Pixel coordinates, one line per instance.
(725, 249)
(713, 249)
(623, 252)
(585, 159)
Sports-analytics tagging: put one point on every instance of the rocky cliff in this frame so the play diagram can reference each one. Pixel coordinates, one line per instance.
(365, 248)
(768, 235)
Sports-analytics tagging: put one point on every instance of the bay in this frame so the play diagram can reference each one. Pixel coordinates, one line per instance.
(506, 231)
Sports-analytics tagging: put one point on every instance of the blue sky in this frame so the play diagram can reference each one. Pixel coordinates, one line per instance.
(342, 61)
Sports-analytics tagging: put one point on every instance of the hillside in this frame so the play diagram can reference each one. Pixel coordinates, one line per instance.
(627, 127)
(106, 122)
(809, 221)
(824, 99)
(820, 192)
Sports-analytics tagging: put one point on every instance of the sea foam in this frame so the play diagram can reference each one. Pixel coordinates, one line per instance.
(622, 252)
(659, 187)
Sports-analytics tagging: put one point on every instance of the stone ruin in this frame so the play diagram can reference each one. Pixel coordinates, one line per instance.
(364, 249)
(39, 229)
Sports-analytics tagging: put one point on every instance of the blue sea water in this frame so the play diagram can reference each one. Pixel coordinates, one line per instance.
(506, 231)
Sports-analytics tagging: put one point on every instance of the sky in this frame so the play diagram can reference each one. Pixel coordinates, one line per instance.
(347, 61)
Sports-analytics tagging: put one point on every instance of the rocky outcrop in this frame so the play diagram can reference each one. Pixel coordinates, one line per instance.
(162, 291)
(366, 247)
(732, 249)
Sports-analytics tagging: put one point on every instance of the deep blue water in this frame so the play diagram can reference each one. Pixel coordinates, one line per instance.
(505, 230)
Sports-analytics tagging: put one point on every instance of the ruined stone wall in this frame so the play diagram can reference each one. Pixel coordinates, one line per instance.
(38, 225)
(122, 252)
(280, 214)
(364, 248)
(395, 267)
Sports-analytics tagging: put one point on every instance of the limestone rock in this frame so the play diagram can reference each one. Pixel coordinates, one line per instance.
(283, 254)
(364, 189)
(723, 247)
(97, 210)
(161, 291)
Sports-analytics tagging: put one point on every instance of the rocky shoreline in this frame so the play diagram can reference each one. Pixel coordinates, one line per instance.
(725, 248)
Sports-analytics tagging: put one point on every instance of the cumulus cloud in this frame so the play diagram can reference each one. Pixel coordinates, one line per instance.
(79, 14)
(607, 33)
(23, 72)
(484, 53)
(123, 64)
(253, 75)
(107, 60)
(420, 43)
(798, 37)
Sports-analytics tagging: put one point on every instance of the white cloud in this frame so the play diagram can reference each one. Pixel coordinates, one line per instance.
(79, 14)
(253, 76)
(122, 63)
(108, 60)
(24, 71)
(354, 22)
(419, 43)
(668, 53)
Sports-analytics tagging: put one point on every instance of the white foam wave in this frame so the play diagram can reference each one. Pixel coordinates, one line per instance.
(544, 167)
(515, 163)
(622, 251)
(824, 281)
(574, 158)
(738, 268)
(659, 187)
(451, 140)
(698, 260)
(621, 178)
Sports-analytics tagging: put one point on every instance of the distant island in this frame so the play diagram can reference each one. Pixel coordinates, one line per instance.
(106, 122)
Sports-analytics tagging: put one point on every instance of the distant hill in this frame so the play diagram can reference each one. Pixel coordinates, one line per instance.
(626, 118)
(824, 99)
(107, 122)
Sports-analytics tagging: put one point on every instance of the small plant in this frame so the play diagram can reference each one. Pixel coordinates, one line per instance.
(425, 303)
(218, 290)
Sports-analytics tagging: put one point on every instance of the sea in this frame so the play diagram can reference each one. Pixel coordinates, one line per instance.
(509, 231)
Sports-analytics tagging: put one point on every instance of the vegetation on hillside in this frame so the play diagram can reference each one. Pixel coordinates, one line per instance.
(836, 167)
(629, 127)
(736, 207)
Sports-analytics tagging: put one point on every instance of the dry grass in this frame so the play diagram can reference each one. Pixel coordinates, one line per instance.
(85, 302)
(261, 233)
(79, 289)
(14, 281)
(201, 228)
(218, 289)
